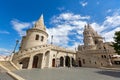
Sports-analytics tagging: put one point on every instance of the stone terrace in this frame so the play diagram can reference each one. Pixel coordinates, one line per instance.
(69, 74)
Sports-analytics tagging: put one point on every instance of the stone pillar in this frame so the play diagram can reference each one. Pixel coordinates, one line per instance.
(30, 62)
(43, 61)
(64, 62)
(48, 60)
(70, 62)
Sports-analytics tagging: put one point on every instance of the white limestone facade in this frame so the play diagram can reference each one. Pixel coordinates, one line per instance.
(95, 52)
(34, 51)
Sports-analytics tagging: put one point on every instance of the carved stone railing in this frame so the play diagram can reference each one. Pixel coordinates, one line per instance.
(27, 52)
(97, 51)
(40, 49)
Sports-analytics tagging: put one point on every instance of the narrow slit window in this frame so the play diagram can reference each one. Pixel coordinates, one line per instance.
(42, 38)
(37, 37)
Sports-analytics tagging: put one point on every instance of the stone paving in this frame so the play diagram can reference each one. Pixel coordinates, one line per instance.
(70, 74)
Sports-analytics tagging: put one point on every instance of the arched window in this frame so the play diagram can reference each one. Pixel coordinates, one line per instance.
(96, 42)
(105, 56)
(37, 37)
(42, 38)
(102, 56)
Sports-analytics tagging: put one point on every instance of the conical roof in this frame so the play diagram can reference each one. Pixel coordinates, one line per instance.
(40, 24)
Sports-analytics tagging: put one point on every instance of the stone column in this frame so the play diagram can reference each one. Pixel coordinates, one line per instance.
(70, 62)
(43, 61)
(30, 62)
(64, 62)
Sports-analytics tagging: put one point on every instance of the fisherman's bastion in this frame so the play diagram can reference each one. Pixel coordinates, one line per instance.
(35, 52)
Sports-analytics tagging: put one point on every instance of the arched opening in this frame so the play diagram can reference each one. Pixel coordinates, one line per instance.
(37, 37)
(73, 62)
(67, 61)
(42, 38)
(61, 61)
(47, 58)
(53, 62)
(37, 60)
(24, 63)
(79, 63)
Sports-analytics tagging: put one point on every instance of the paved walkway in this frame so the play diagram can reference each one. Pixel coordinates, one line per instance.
(70, 74)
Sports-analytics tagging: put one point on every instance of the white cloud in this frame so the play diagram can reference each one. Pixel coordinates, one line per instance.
(112, 21)
(61, 8)
(109, 35)
(60, 34)
(109, 10)
(97, 27)
(111, 25)
(84, 3)
(68, 17)
(67, 24)
(21, 26)
(4, 32)
(4, 51)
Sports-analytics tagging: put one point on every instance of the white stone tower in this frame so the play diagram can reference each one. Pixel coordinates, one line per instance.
(91, 38)
(35, 36)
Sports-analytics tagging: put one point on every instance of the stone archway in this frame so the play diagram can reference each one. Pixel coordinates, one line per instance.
(47, 58)
(24, 62)
(37, 61)
(67, 61)
(53, 62)
(61, 61)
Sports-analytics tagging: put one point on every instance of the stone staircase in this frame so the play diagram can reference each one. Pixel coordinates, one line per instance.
(5, 76)
(8, 65)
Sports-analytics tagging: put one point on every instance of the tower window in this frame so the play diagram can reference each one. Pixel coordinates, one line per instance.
(105, 56)
(96, 42)
(102, 56)
(42, 38)
(37, 37)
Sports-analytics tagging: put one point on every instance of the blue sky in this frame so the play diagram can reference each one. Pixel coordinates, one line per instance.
(64, 19)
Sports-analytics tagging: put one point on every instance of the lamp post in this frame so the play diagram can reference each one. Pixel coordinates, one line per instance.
(52, 39)
(17, 41)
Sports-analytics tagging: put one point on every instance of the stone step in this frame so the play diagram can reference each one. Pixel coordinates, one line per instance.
(8, 65)
(5, 76)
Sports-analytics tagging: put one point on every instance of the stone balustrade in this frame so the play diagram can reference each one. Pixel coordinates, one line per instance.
(97, 51)
(40, 49)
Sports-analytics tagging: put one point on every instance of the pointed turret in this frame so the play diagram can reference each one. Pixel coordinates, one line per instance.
(36, 36)
(85, 27)
(40, 23)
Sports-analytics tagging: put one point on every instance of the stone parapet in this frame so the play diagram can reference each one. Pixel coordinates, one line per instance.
(41, 48)
(96, 51)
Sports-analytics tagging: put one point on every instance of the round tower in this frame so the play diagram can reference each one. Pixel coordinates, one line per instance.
(88, 37)
(35, 36)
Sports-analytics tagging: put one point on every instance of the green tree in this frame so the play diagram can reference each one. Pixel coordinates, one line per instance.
(116, 44)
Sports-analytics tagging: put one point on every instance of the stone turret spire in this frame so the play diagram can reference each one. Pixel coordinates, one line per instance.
(40, 24)
(85, 27)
